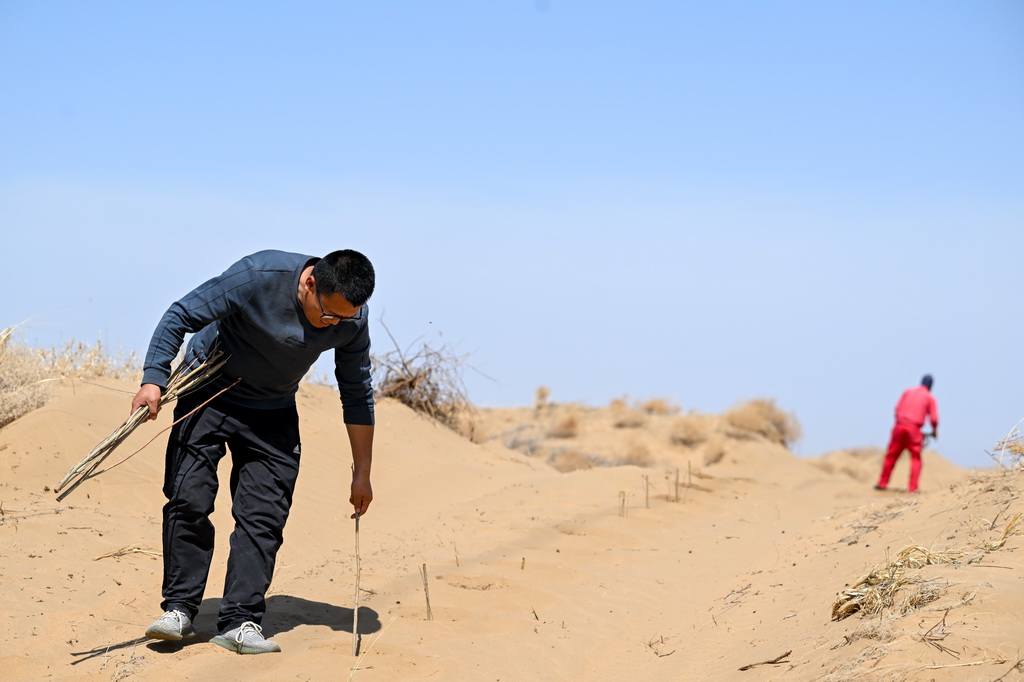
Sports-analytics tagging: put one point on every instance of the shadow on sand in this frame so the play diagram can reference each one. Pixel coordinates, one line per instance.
(284, 613)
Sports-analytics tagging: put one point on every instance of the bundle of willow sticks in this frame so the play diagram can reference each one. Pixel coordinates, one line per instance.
(185, 378)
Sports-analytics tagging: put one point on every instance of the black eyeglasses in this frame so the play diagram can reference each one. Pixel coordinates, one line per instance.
(330, 317)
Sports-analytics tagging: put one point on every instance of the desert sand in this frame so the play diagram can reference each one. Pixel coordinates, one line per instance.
(612, 572)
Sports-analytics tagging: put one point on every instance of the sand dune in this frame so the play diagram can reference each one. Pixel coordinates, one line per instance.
(534, 574)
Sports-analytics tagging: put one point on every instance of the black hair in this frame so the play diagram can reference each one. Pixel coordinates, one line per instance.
(926, 381)
(345, 272)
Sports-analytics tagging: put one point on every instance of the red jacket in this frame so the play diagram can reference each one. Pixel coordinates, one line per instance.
(915, 404)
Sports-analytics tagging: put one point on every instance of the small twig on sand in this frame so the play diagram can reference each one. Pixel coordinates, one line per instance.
(774, 661)
(988, 661)
(127, 550)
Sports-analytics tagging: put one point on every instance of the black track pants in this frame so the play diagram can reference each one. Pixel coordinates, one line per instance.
(265, 452)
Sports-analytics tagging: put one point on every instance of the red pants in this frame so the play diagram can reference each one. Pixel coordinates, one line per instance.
(904, 437)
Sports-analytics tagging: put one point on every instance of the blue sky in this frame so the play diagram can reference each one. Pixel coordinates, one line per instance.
(815, 202)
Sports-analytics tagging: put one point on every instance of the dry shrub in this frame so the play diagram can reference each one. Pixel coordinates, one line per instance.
(525, 438)
(429, 380)
(637, 454)
(567, 426)
(24, 379)
(689, 430)
(659, 407)
(540, 398)
(625, 417)
(570, 460)
(762, 418)
(714, 451)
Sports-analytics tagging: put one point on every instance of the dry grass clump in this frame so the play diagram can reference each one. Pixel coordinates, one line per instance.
(877, 630)
(1009, 452)
(637, 454)
(25, 382)
(866, 452)
(1013, 526)
(714, 451)
(625, 417)
(429, 380)
(526, 438)
(878, 589)
(567, 426)
(689, 430)
(659, 407)
(762, 418)
(570, 460)
(27, 374)
(78, 359)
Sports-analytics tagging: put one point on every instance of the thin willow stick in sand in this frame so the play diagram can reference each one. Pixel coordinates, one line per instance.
(185, 378)
(355, 611)
(426, 591)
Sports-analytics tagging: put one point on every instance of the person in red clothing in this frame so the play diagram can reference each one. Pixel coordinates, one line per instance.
(915, 405)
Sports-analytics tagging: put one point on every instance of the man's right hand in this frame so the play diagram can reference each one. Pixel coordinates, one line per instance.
(148, 396)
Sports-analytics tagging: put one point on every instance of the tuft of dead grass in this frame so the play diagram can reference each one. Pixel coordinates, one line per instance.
(624, 416)
(80, 359)
(659, 407)
(567, 426)
(761, 417)
(878, 590)
(875, 630)
(637, 454)
(689, 431)
(1009, 451)
(28, 375)
(25, 382)
(570, 460)
(1013, 526)
(714, 451)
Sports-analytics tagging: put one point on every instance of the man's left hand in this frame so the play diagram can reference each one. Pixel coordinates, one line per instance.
(362, 495)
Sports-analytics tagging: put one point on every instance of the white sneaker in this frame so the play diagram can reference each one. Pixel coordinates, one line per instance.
(172, 626)
(247, 638)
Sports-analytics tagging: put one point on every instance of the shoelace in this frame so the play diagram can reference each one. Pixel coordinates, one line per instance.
(178, 616)
(248, 625)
